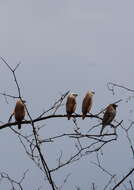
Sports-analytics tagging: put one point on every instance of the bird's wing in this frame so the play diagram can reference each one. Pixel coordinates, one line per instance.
(108, 117)
(86, 104)
(71, 105)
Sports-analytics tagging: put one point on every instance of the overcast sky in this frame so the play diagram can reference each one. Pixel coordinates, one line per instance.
(65, 45)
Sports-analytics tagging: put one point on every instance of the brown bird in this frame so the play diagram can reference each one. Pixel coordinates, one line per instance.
(109, 115)
(87, 103)
(19, 112)
(71, 104)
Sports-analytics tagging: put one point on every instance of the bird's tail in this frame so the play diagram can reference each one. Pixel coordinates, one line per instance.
(68, 116)
(83, 116)
(19, 125)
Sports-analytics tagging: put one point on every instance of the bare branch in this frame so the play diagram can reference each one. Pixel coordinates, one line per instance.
(13, 182)
(111, 86)
(123, 179)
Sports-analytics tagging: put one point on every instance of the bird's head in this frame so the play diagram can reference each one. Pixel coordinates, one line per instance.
(91, 93)
(114, 106)
(74, 94)
(22, 101)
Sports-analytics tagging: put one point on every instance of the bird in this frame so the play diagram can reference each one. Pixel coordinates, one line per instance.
(108, 116)
(87, 103)
(71, 104)
(19, 112)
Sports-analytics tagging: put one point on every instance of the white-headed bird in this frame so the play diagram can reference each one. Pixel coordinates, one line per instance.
(109, 115)
(19, 112)
(71, 104)
(87, 103)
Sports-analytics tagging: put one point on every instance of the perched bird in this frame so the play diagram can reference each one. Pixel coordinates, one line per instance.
(19, 112)
(109, 115)
(71, 104)
(87, 103)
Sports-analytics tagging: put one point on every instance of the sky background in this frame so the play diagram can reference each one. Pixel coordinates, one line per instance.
(66, 45)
